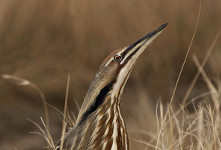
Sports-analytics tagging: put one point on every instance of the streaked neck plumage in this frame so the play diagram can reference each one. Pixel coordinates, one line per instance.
(99, 124)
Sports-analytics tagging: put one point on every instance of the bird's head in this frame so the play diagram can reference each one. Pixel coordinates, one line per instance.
(117, 66)
(114, 72)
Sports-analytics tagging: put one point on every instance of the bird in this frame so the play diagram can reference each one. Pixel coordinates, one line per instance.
(100, 125)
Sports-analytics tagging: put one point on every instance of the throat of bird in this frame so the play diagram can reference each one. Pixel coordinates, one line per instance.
(119, 86)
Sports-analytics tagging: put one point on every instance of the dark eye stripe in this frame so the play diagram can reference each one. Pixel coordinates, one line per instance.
(128, 58)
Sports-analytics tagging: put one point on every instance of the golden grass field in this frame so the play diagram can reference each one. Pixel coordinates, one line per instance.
(42, 41)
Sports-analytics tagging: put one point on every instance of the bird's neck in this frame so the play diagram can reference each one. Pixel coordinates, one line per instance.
(105, 128)
(101, 121)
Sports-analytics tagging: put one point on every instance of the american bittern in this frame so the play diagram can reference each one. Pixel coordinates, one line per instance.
(99, 124)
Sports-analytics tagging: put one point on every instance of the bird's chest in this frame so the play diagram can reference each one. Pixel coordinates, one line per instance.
(111, 130)
(103, 130)
(119, 136)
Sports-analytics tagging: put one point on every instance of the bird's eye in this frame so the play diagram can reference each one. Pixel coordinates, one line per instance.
(117, 58)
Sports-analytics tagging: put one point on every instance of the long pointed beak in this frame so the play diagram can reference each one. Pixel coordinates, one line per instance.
(135, 49)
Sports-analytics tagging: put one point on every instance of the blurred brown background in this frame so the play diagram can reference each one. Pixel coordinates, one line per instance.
(44, 40)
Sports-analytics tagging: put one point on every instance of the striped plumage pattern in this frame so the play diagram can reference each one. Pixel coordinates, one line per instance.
(103, 130)
(99, 125)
